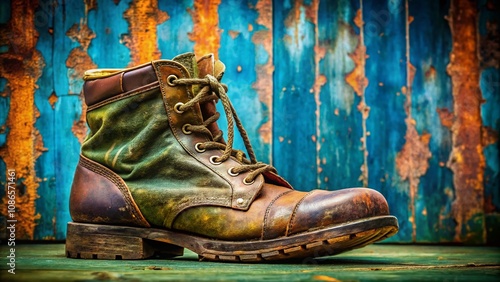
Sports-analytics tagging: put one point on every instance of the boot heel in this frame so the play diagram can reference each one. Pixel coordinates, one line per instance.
(84, 241)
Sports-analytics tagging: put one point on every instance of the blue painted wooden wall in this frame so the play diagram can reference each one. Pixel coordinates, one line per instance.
(398, 95)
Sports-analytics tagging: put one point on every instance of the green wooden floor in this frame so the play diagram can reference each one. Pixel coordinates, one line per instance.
(46, 262)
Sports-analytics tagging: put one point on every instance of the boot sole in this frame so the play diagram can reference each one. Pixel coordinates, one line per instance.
(93, 241)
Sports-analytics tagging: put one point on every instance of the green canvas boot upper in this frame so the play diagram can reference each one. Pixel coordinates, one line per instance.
(155, 158)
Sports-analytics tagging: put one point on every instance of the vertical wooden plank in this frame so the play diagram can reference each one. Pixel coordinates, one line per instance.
(340, 157)
(45, 99)
(294, 126)
(466, 159)
(429, 47)
(206, 31)
(108, 49)
(21, 66)
(173, 40)
(489, 28)
(239, 33)
(143, 17)
(386, 71)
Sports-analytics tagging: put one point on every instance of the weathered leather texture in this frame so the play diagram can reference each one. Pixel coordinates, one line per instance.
(136, 136)
(100, 89)
(279, 211)
(98, 195)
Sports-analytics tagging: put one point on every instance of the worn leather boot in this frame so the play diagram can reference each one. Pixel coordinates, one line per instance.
(156, 176)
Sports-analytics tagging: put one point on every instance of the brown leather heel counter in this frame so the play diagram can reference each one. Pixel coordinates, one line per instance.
(100, 196)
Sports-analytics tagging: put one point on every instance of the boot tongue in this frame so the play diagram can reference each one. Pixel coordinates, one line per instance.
(208, 65)
(188, 60)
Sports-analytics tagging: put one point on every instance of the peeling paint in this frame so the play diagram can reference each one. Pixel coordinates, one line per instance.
(206, 32)
(358, 81)
(21, 66)
(446, 117)
(466, 158)
(143, 18)
(78, 62)
(489, 136)
(319, 79)
(264, 82)
(412, 162)
(53, 99)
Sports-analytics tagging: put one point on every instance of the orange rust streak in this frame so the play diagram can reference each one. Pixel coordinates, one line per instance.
(358, 81)
(264, 83)
(466, 158)
(319, 80)
(206, 32)
(21, 66)
(143, 18)
(412, 161)
(78, 62)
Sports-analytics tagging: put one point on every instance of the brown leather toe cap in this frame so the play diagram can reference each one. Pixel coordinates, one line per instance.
(321, 208)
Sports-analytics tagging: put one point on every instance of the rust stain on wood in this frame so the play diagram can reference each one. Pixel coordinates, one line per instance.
(21, 66)
(53, 99)
(358, 81)
(206, 31)
(319, 79)
(143, 18)
(78, 62)
(466, 159)
(412, 161)
(446, 117)
(264, 82)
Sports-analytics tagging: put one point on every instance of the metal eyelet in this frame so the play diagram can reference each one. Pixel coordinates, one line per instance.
(185, 130)
(240, 201)
(177, 108)
(198, 149)
(248, 183)
(212, 160)
(170, 80)
(230, 172)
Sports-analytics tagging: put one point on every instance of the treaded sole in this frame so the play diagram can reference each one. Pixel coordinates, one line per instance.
(95, 241)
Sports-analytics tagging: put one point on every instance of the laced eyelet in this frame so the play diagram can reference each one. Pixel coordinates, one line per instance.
(177, 108)
(247, 182)
(230, 172)
(170, 80)
(212, 160)
(198, 149)
(185, 130)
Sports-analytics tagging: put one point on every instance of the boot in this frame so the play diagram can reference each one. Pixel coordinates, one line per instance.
(156, 176)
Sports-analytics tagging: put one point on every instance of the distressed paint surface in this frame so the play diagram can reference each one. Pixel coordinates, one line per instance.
(466, 158)
(206, 31)
(294, 118)
(334, 93)
(489, 30)
(21, 67)
(143, 17)
(429, 47)
(340, 155)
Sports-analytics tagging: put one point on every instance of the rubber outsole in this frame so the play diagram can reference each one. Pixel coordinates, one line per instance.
(93, 241)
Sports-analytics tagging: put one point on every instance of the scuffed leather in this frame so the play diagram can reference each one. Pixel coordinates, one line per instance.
(98, 195)
(279, 211)
(136, 134)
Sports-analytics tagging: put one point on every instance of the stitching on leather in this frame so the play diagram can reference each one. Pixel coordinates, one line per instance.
(128, 94)
(268, 210)
(292, 218)
(115, 179)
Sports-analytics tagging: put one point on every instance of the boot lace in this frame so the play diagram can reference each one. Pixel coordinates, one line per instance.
(213, 89)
